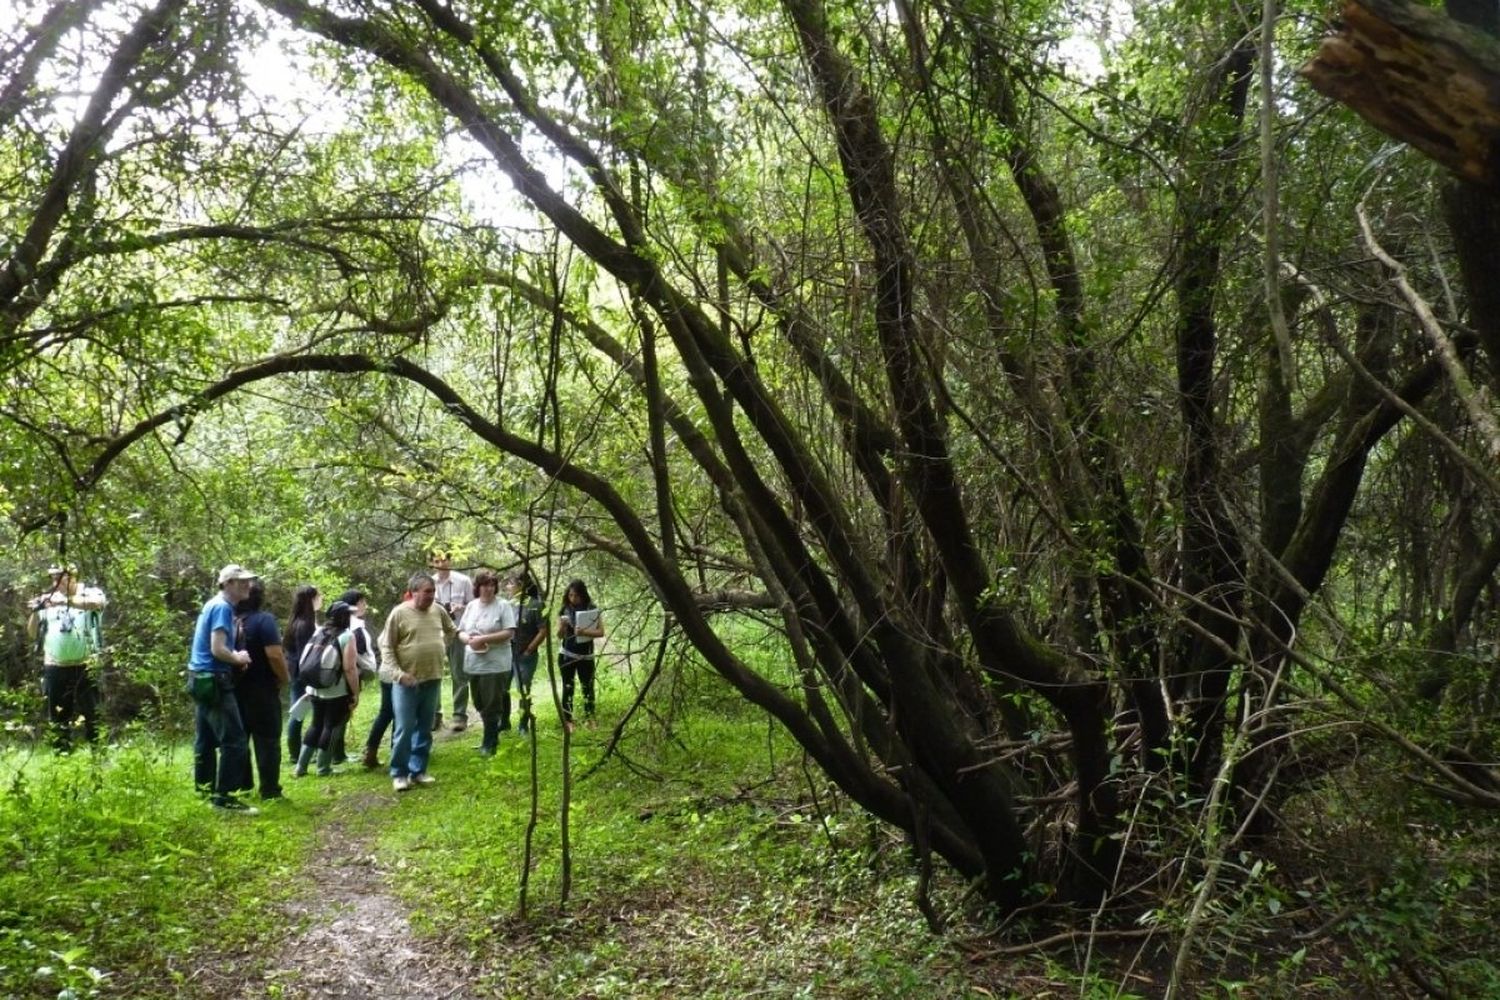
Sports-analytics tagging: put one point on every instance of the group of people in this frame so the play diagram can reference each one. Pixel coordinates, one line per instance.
(447, 623)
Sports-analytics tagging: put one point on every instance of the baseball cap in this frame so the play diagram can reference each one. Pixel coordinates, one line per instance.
(234, 571)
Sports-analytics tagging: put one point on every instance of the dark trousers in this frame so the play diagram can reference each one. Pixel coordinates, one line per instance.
(491, 695)
(70, 694)
(220, 746)
(329, 716)
(383, 719)
(583, 670)
(460, 679)
(260, 708)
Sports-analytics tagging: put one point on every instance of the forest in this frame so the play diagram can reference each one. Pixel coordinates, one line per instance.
(1039, 460)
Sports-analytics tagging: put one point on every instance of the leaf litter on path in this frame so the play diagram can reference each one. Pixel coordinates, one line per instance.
(350, 937)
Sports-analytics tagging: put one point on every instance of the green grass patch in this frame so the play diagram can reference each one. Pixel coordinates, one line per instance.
(119, 877)
(712, 874)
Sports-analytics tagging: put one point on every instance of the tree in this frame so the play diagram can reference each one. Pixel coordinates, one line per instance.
(896, 334)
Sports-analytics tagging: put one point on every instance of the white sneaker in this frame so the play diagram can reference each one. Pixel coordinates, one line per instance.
(401, 784)
(423, 779)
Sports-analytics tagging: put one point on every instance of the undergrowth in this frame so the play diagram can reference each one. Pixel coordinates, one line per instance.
(708, 860)
(119, 877)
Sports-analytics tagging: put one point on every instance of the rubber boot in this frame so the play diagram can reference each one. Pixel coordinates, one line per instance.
(304, 758)
(325, 763)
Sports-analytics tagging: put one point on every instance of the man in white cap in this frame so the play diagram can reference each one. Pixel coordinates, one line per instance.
(66, 619)
(212, 664)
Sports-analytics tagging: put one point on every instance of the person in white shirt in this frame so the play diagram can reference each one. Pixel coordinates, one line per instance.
(485, 630)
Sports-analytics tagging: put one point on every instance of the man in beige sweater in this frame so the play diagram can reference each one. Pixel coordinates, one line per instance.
(414, 654)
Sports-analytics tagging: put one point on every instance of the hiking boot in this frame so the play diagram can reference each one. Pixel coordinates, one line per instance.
(460, 723)
(401, 783)
(369, 760)
(233, 805)
(423, 779)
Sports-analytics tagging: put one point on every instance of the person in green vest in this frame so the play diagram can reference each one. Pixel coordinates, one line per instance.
(66, 623)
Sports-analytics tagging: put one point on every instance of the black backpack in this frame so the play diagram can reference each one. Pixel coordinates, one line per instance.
(322, 662)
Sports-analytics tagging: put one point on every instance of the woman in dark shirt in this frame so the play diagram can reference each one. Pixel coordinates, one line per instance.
(578, 625)
(299, 631)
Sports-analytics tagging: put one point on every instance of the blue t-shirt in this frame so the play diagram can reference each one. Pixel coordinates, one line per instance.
(217, 615)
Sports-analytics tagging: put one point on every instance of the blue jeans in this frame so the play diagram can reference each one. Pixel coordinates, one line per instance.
(523, 669)
(220, 731)
(414, 708)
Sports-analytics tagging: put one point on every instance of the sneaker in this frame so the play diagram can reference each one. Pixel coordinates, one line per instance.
(401, 783)
(236, 806)
(423, 779)
(486, 751)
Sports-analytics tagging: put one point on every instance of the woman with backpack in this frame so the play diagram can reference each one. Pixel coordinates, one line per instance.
(578, 625)
(299, 631)
(331, 651)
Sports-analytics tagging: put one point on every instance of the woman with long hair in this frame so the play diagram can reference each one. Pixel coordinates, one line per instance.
(579, 623)
(332, 705)
(257, 687)
(299, 629)
(531, 632)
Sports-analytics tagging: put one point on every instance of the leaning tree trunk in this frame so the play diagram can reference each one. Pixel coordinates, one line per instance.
(1433, 81)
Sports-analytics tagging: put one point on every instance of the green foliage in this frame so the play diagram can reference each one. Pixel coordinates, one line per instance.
(119, 874)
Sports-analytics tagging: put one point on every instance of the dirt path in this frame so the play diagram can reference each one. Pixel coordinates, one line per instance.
(352, 939)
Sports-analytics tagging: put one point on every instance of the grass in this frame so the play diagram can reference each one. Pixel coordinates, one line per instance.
(118, 873)
(710, 876)
(706, 862)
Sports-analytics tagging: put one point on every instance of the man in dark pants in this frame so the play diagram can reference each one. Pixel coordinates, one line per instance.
(219, 745)
(66, 619)
(259, 687)
(454, 591)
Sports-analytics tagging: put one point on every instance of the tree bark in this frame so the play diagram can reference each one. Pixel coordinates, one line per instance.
(1420, 77)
